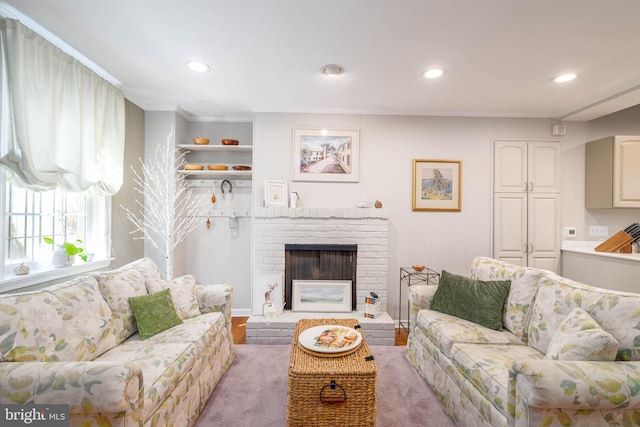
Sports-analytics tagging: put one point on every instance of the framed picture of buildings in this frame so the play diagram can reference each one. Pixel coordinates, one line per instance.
(437, 185)
(326, 155)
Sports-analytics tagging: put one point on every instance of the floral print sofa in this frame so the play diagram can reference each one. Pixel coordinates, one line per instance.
(551, 365)
(75, 343)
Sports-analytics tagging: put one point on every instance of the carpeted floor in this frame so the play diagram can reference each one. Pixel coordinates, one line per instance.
(253, 392)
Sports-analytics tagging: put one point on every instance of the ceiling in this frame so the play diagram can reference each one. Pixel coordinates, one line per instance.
(266, 55)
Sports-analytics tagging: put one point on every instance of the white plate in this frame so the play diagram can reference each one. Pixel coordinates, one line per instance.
(330, 338)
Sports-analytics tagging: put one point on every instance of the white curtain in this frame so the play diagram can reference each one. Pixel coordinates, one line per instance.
(62, 125)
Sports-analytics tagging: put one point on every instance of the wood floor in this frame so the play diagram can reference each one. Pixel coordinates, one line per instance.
(239, 329)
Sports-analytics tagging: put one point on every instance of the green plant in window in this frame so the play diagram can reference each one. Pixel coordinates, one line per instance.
(75, 248)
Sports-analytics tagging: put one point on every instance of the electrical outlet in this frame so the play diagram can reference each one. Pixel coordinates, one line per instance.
(598, 230)
(570, 232)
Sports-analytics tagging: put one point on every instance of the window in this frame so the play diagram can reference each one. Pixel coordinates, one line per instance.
(31, 215)
(65, 217)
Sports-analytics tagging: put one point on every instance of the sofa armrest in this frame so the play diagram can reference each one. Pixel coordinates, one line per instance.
(420, 297)
(571, 389)
(87, 387)
(212, 298)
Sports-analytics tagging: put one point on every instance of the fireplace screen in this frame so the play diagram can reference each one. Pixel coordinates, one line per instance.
(320, 265)
(321, 295)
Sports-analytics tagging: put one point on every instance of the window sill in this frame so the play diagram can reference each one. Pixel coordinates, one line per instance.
(12, 282)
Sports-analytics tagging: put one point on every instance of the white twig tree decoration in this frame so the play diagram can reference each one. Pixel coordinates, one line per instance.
(168, 212)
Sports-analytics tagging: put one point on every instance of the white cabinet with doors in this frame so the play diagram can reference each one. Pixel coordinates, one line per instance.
(612, 178)
(526, 208)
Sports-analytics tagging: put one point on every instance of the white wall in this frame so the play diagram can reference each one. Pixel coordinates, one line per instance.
(220, 254)
(388, 144)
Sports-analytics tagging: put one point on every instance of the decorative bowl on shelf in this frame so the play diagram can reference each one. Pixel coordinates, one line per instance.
(217, 167)
(191, 167)
(241, 168)
(417, 267)
(200, 141)
(229, 142)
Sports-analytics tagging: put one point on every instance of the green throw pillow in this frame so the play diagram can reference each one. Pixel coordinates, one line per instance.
(478, 301)
(154, 313)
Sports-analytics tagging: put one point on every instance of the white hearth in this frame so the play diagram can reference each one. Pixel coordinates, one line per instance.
(260, 330)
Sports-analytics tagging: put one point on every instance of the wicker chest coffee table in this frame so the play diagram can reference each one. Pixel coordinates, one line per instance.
(331, 390)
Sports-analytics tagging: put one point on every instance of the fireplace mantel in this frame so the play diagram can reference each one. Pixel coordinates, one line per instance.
(347, 213)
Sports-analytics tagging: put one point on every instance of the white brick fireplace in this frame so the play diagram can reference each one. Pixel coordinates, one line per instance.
(366, 228)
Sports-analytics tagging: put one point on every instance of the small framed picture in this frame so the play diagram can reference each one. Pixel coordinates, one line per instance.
(321, 295)
(275, 193)
(437, 185)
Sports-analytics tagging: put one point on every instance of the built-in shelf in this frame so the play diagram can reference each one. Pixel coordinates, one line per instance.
(217, 174)
(219, 148)
(213, 174)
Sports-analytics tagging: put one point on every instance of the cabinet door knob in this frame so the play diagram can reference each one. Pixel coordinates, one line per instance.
(531, 186)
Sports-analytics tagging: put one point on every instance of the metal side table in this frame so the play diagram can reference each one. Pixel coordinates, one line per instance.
(410, 277)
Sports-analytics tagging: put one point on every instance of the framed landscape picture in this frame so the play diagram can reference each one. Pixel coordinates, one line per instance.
(326, 155)
(321, 295)
(437, 185)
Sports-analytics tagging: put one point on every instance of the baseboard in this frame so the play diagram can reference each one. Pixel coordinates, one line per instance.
(240, 312)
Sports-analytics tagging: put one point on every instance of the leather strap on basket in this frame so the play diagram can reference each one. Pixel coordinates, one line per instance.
(332, 399)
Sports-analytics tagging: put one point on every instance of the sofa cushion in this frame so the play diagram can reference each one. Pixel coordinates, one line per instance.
(201, 331)
(117, 287)
(65, 322)
(579, 337)
(154, 313)
(479, 301)
(616, 312)
(183, 294)
(524, 284)
(487, 367)
(162, 365)
(445, 330)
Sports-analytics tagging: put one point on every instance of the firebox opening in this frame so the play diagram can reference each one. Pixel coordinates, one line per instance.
(319, 262)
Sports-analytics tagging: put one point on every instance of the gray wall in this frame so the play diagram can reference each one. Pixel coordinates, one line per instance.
(124, 247)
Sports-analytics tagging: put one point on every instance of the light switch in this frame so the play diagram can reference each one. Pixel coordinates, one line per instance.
(598, 230)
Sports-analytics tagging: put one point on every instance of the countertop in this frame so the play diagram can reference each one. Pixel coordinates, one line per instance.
(587, 247)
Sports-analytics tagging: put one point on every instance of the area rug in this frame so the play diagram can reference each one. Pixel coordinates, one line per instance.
(253, 392)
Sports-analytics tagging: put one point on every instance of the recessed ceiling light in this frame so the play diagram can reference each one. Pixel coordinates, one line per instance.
(197, 66)
(433, 73)
(564, 78)
(332, 70)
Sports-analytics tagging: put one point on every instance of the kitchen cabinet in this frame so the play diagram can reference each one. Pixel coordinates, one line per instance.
(229, 155)
(612, 173)
(526, 205)
(521, 166)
